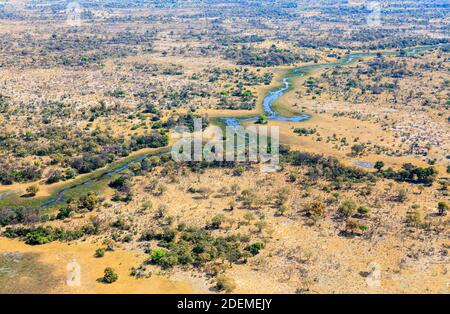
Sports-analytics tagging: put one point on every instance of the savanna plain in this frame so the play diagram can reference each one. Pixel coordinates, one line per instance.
(91, 200)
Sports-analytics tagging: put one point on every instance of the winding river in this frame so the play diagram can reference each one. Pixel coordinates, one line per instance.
(268, 107)
(269, 100)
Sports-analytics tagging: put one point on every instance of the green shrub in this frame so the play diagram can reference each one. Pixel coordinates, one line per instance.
(168, 235)
(363, 210)
(217, 221)
(168, 261)
(443, 208)
(110, 275)
(379, 165)
(100, 252)
(402, 196)
(347, 208)
(32, 190)
(262, 119)
(157, 254)
(358, 149)
(305, 131)
(89, 201)
(238, 171)
(316, 209)
(128, 238)
(255, 248)
(282, 196)
(352, 225)
(121, 224)
(64, 213)
(415, 219)
(225, 284)
(39, 236)
(121, 183)
(292, 178)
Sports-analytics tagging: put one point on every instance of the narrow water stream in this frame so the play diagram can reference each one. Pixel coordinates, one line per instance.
(268, 102)
(268, 106)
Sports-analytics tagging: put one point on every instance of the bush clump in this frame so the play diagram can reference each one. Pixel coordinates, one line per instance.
(110, 275)
(255, 248)
(225, 284)
(43, 235)
(347, 208)
(100, 252)
(197, 247)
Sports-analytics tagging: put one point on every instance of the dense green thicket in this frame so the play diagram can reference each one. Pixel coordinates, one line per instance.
(95, 151)
(272, 56)
(43, 235)
(332, 169)
(197, 246)
(412, 174)
(328, 167)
